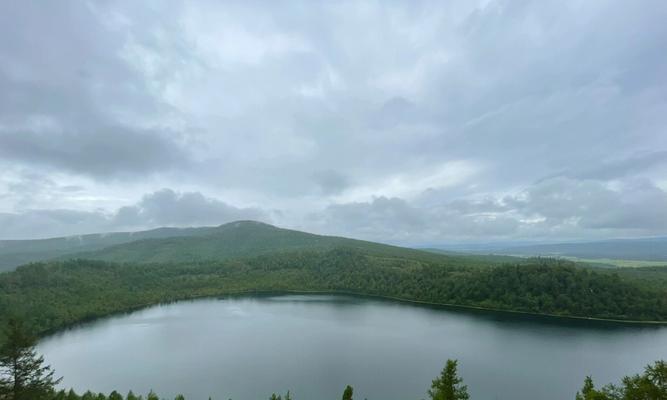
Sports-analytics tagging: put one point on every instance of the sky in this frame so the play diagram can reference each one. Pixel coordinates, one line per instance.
(416, 122)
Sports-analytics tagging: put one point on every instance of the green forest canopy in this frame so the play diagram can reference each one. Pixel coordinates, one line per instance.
(54, 295)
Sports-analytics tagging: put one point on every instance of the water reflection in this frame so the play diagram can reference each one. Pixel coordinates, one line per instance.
(249, 347)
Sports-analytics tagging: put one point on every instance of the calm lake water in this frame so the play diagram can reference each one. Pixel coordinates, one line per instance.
(247, 348)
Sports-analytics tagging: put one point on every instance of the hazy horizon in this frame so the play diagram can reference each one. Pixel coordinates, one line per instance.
(453, 245)
(417, 123)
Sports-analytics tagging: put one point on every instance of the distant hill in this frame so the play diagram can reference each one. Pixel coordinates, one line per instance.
(251, 238)
(232, 240)
(245, 239)
(652, 249)
(18, 252)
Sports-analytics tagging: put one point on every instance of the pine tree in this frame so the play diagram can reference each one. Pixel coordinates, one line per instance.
(115, 396)
(347, 394)
(651, 385)
(657, 376)
(448, 386)
(23, 375)
(588, 391)
(88, 396)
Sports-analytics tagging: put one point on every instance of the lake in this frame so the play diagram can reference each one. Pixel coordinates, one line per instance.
(314, 345)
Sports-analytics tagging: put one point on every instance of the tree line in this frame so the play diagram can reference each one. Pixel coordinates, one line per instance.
(58, 294)
(24, 376)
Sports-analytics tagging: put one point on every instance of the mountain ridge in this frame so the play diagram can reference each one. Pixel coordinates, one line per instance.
(168, 244)
(240, 239)
(22, 251)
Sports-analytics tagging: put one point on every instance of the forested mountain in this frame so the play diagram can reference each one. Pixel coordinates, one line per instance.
(247, 239)
(235, 239)
(17, 252)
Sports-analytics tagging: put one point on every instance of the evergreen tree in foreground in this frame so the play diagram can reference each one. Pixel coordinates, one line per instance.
(347, 394)
(448, 385)
(23, 375)
(288, 396)
(651, 385)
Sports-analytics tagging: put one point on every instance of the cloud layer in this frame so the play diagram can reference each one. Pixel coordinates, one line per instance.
(161, 208)
(413, 123)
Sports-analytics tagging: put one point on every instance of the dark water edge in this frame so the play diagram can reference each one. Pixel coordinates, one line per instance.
(314, 344)
(493, 313)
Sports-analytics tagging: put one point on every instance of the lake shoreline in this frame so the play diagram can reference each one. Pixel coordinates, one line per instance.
(453, 307)
(316, 342)
(450, 307)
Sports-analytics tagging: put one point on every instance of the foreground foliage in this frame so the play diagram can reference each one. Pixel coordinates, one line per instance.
(23, 375)
(651, 385)
(448, 386)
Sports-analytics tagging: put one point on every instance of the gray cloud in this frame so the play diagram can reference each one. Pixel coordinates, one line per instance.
(168, 208)
(560, 207)
(31, 224)
(378, 215)
(331, 182)
(634, 205)
(634, 164)
(397, 221)
(162, 208)
(103, 152)
(416, 122)
(69, 101)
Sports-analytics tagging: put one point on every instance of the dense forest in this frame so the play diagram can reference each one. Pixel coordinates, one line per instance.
(24, 376)
(57, 294)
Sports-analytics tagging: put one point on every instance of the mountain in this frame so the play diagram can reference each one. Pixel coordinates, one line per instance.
(245, 239)
(232, 240)
(17, 252)
(251, 238)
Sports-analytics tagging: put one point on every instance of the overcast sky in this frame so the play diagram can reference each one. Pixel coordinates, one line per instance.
(405, 122)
